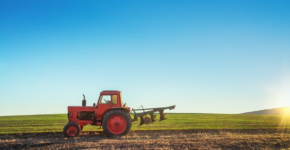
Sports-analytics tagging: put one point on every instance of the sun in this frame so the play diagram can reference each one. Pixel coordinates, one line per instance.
(286, 112)
(284, 125)
(278, 95)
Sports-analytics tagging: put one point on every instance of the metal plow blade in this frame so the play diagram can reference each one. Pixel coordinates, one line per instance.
(150, 112)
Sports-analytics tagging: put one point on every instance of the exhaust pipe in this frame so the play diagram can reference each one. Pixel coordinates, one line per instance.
(84, 102)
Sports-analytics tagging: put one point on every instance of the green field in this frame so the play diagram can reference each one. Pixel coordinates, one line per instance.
(55, 123)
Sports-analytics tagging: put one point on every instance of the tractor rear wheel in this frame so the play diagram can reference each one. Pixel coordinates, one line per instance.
(116, 123)
(71, 130)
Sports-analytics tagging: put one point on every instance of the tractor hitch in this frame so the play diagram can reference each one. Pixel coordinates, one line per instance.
(150, 111)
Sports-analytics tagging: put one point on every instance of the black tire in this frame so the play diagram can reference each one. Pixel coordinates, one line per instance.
(69, 125)
(120, 113)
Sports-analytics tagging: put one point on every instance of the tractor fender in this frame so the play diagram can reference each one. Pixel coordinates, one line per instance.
(116, 108)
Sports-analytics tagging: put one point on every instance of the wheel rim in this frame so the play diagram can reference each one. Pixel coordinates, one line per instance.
(116, 124)
(72, 131)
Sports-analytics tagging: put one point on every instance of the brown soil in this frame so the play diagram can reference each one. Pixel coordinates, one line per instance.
(184, 139)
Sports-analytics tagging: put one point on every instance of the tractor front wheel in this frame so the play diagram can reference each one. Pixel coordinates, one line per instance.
(116, 123)
(71, 130)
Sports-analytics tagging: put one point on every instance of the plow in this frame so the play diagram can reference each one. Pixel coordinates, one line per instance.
(150, 111)
(110, 114)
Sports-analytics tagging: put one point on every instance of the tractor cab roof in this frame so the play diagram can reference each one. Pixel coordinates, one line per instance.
(110, 92)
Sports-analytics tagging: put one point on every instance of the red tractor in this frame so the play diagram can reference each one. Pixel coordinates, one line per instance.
(109, 113)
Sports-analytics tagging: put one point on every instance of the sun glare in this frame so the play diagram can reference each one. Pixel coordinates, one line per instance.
(279, 96)
(285, 120)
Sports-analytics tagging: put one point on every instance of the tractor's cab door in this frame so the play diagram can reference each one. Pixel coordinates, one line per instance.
(106, 102)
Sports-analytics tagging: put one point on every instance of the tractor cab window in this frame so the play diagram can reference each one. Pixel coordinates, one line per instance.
(114, 99)
(105, 99)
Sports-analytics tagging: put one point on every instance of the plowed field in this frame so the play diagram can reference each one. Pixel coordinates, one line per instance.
(182, 139)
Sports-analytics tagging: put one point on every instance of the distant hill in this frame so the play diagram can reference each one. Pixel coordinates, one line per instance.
(273, 111)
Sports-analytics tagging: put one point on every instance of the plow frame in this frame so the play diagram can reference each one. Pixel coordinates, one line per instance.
(150, 111)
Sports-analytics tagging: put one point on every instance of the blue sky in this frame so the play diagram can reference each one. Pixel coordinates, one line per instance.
(202, 56)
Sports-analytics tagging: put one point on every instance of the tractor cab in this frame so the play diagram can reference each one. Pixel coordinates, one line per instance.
(110, 97)
(110, 100)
